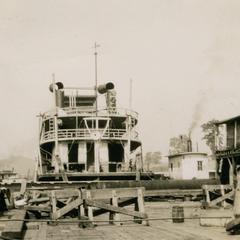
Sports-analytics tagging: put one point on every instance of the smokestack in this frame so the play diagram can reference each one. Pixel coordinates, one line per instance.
(189, 145)
(105, 87)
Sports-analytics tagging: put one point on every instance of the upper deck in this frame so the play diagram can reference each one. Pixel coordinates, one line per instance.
(78, 117)
(72, 127)
(90, 111)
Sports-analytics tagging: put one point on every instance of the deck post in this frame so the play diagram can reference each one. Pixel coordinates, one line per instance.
(207, 195)
(89, 208)
(223, 203)
(114, 216)
(54, 205)
(139, 206)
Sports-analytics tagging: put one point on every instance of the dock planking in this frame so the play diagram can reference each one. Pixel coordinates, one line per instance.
(14, 229)
(159, 229)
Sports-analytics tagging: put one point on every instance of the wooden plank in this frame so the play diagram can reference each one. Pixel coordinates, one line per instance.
(13, 229)
(37, 234)
(42, 232)
(107, 193)
(220, 199)
(172, 192)
(70, 206)
(67, 193)
(39, 200)
(115, 209)
(217, 187)
(38, 208)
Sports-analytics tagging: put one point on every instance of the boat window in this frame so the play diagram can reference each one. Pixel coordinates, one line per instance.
(199, 166)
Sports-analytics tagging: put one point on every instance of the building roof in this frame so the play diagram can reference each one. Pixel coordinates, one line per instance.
(187, 153)
(228, 120)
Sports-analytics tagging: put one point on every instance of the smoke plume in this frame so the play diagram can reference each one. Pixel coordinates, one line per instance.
(197, 114)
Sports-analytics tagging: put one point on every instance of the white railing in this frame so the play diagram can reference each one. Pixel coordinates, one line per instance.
(85, 134)
(92, 112)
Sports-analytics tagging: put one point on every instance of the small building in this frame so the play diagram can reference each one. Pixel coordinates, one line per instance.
(188, 165)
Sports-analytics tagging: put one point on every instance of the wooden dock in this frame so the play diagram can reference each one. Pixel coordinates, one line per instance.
(158, 229)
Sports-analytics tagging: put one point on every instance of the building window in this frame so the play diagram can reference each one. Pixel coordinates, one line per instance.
(171, 166)
(199, 166)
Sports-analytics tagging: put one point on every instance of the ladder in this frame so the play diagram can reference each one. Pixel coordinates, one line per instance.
(51, 124)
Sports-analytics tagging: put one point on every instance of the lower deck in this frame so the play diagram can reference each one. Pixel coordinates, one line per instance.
(97, 176)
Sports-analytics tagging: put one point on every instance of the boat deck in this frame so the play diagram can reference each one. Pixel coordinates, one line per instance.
(158, 229)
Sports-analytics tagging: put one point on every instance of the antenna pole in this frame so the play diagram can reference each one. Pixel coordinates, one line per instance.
(130, 94)
(54, 91)
(96, 79)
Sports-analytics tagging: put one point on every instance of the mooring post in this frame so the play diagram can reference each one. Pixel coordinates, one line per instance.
(139, 206)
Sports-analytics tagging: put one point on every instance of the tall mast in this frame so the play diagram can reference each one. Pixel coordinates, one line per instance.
(55, 120)
(96, 79)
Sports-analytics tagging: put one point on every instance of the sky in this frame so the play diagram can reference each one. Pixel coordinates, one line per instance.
(183, 57)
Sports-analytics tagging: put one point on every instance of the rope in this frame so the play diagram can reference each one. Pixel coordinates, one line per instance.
(106, 221)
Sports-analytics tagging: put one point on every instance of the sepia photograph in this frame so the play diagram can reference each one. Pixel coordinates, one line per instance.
(120, 119)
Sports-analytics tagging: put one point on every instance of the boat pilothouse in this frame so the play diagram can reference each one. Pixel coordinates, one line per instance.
(78, 141)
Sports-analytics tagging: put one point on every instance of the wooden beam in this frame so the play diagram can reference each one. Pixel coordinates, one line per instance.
(107, 193)
(220, 199)
(216, 187)
(108, 207)
(53, 203)
(207, 194)
(66, 193)
(70, 206)
(39, 200)
(140, 203)
(89, 208)
(216, 195)
(223, 193)
(13, 229)
(231, 174)
(173, 192)
(123, 203)
(38, 208)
